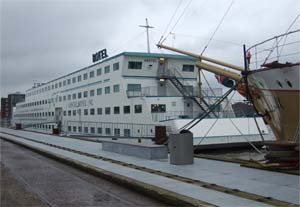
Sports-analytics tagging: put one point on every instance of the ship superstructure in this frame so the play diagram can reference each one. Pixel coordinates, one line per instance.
(125, 88)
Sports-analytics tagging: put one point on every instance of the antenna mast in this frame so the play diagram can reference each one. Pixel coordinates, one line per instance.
(147, 30)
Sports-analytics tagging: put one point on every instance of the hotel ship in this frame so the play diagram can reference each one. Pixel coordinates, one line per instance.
(128, 95)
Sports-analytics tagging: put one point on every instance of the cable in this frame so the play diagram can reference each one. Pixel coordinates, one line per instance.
(196, 120)
(129, 40)
(171, 19)
(215, 121)
(184, 10)
(287, 32)
(218, 26)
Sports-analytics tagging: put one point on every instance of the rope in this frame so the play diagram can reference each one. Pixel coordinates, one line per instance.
(218, 26)
(184, 10)
(129, 40)
(215, 121)
(245, 137)
(218, 102)
(171, 19)
(274, 44)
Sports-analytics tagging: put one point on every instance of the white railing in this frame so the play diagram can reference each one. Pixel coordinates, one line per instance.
(282, 48)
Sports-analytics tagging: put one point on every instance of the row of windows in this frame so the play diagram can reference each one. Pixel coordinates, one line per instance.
(38, 114)
(75, 79)
(98, 130)
(107, 111)
(79, 95)
(91, 111)
(88, 130)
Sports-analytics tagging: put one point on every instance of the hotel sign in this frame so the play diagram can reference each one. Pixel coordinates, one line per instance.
(100, 55)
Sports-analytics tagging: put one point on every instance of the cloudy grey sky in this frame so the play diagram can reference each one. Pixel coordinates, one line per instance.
(44, 39)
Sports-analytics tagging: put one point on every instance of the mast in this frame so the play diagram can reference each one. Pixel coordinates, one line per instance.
(201, 57)
(147, 31)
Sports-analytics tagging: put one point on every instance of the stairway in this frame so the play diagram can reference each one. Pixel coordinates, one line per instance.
(172, 76)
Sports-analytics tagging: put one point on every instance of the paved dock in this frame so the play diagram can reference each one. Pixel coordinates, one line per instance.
(30, 179)
(279, 186)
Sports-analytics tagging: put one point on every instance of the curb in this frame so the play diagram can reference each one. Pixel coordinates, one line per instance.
(157, 193)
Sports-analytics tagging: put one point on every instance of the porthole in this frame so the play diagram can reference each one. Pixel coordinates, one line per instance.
(279, 83)
(289, 83)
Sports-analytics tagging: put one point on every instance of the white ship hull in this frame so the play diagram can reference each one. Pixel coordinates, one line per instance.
(276, 95)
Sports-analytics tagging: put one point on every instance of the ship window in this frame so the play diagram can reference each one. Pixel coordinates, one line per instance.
(107, 131)
(99, 111)
(126, 109)
(188, 68)
(158, 108)
(86, 112)
(289, 83)
(79, 95)
(79, 78)
(134, 87)
(99, 130)
(92, 92)
(92, 111)
(99, 91)
(85, 76)
(85, 94)
(107, 69)
(116, 110)
(117, 132)
(116, 88)
(137, 109)
(107, 110)
(115, 66)
(135, 65)
(74, 80)
(99, 71)
(279, 83)
(92, 74)
(127, 132)
(107, 89)
(92, 130)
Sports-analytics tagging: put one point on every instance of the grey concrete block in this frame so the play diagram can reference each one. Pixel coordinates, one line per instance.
(146, 151)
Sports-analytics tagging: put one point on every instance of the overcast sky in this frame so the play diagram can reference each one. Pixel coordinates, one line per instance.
(42, 39)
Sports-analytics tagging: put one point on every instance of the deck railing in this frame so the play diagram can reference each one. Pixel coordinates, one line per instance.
(282, 48)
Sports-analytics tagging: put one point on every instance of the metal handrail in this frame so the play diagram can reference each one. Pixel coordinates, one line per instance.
(273, 38)
(262, 55)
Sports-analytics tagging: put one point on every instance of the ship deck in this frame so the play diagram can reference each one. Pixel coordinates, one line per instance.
(210, 181)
